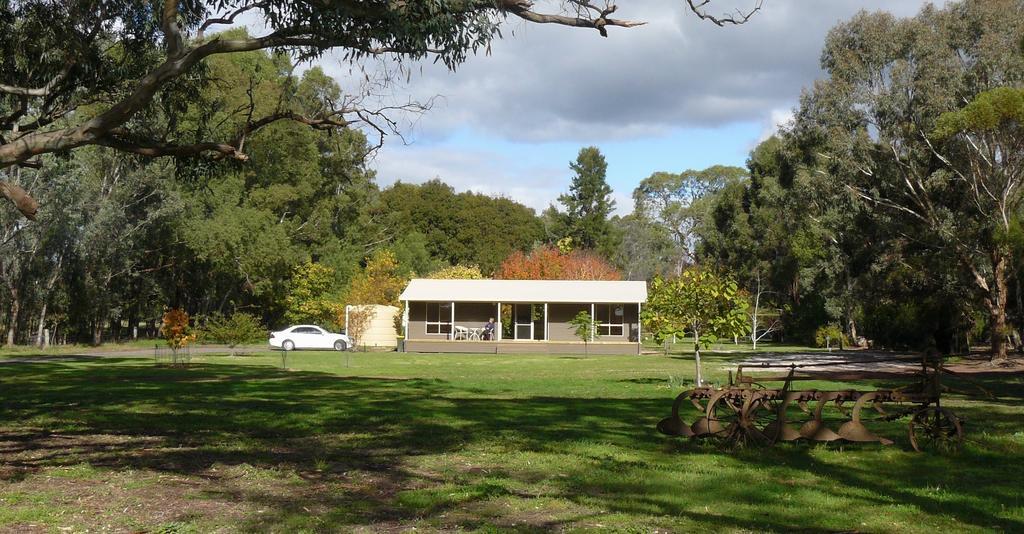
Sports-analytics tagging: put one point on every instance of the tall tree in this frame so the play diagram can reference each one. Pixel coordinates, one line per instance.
(874, 125)
(125, 203)
(588, 205)
(303, 196)
(646, 248)
(457, 228)
(679, 203)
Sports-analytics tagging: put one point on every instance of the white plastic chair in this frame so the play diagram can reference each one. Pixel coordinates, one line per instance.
(461, 332)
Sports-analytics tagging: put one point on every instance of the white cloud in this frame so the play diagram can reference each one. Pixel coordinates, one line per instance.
(777, 120)
(547, 82)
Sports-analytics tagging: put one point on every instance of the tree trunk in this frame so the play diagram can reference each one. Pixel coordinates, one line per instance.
(996, 303)
(696, 354)
(12, 327)
(998, 325)
(97, 332)
(42, 325)
(753, 316)
(1019, 315)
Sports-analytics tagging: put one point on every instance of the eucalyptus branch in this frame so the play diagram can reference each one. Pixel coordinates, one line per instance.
(45, 90)
(523, 10)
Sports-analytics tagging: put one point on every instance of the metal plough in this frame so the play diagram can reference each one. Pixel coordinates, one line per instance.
(748, 413)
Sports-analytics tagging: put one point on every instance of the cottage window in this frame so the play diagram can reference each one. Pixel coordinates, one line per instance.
(610, 318)
(439, 317)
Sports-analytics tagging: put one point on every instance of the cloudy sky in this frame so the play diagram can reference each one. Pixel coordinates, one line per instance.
(674, 94)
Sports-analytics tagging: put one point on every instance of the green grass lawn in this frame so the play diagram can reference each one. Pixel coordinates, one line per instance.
(390, 442)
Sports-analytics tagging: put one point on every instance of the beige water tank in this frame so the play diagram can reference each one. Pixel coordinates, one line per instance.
(381, 332)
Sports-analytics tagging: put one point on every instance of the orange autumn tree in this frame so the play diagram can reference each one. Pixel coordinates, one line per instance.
(176, 331)
(549, 263)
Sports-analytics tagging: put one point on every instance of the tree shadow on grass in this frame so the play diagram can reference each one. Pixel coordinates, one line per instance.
(644, 381)
(21, 359)
(969, 481)
(969, 486)
(121, 415)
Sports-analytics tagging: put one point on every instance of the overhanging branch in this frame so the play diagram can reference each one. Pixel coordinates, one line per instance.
(523, 10)
(154, 149)
(183, 52)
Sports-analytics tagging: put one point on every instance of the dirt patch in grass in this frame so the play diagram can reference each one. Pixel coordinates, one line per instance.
(141, 483)
(28, 451)
(104, 500)
(75, 482)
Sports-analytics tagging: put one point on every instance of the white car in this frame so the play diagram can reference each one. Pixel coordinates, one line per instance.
(306, 336)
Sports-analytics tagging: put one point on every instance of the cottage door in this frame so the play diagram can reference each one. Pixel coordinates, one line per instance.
(523, 314)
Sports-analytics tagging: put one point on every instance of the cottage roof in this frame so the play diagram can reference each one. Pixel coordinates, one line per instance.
(536, 291)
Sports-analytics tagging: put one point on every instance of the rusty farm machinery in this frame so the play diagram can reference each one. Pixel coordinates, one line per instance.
(748, 412)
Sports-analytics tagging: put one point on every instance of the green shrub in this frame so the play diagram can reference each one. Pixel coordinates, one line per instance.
(830, 335)
(236, 330)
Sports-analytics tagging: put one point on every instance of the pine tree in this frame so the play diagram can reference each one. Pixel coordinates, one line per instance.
(589, 203)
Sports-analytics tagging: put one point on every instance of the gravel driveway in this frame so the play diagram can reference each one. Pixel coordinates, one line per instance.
(846, 360)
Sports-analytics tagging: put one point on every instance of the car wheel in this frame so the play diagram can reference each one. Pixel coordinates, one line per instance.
(288, 345)
(340, 345)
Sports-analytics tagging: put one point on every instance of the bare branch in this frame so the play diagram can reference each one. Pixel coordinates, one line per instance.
(126, 142)
(226, 19)
(881, 201)
(736, 18)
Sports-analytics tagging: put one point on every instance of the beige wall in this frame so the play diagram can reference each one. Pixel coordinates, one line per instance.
(559, 316)
(381, 330)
